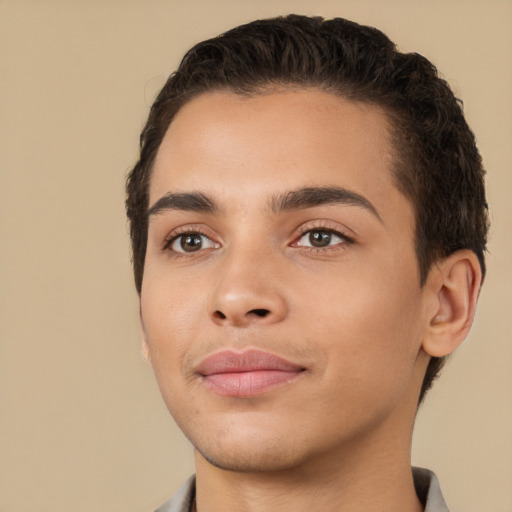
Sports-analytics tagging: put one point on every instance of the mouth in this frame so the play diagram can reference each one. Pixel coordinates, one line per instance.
(245, 374)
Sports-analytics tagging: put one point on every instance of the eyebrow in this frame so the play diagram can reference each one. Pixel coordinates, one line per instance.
(187, 201)
(310, 197)
(302, 198)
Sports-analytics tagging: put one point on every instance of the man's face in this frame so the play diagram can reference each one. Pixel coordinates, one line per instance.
(281, 304)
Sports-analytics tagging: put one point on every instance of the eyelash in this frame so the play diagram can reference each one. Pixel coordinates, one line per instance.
(182, 231)
(303, 230)
(322, 226)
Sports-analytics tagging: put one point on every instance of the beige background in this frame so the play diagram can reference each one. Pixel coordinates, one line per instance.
(82, 426)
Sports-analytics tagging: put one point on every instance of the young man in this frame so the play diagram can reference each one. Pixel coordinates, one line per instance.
(308, 221)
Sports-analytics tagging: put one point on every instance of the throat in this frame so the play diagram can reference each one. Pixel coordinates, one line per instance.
(296, 491)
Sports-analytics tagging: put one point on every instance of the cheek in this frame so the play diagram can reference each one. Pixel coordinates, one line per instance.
(369, 328)
(169, 314)
(170, 321)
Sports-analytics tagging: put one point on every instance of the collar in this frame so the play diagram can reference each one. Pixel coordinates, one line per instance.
(425, 481)
(428, 490)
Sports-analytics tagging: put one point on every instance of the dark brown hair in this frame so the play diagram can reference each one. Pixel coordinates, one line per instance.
(437, 164)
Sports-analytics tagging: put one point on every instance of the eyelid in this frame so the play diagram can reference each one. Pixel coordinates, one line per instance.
(187, 229)
(324, 225)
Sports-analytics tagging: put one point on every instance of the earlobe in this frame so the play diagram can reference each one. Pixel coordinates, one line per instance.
(454, 284)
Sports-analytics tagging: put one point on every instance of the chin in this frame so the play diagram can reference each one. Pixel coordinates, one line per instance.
(248, 450)
(263, 460)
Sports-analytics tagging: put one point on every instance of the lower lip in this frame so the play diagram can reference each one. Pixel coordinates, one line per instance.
(246, 384)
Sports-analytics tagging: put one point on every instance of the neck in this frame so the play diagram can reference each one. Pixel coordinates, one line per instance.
(371, 472)
(371, 476)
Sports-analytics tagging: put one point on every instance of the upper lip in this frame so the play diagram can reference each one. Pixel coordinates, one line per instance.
(231, 361)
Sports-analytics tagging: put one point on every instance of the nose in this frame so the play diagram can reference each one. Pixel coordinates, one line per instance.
(247, 291)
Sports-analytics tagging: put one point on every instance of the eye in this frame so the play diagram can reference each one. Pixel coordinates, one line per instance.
(191, 242)
(320, 238)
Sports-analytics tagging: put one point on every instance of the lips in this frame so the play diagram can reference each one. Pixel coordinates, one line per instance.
(246, 374)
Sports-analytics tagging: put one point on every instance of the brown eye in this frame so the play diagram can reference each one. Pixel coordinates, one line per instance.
(191, 242)
(320, 238)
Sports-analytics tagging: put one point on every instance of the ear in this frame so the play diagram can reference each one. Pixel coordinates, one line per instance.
(453, 285)
(144, 349)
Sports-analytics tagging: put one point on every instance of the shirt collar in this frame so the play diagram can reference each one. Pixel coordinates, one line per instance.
(428, 490)
(426, 484)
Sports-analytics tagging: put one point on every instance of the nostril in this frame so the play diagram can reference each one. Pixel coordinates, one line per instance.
(259, 312)
(234, 318)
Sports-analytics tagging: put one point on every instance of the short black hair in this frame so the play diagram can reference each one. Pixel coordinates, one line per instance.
(437, 164)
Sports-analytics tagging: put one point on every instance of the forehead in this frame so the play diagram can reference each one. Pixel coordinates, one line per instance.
(280, 140)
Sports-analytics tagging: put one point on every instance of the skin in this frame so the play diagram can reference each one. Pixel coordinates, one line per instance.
(351, 313)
